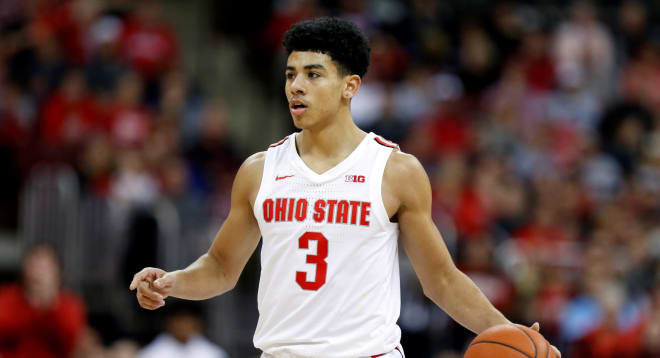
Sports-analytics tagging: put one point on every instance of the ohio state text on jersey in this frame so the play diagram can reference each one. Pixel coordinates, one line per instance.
(329, 282)
(283, 209)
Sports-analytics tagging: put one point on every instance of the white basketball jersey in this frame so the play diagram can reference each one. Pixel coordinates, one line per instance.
(329, 282)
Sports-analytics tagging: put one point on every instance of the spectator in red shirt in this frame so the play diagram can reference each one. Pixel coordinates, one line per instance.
(37, 317)
(535, 61)
(148, 44)
(129, 120)
(69, 21)
(70, 113)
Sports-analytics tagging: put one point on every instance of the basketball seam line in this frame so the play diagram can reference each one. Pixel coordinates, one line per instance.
(504, 344)
(547, 349)
(531, 339)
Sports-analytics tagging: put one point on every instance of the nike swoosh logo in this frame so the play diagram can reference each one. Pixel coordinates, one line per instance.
(284, 177)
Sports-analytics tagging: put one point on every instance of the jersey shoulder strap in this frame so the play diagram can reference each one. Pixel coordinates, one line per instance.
(280, 142)
(384, 142)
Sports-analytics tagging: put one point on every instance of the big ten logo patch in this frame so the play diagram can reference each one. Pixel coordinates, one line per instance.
(355, 178)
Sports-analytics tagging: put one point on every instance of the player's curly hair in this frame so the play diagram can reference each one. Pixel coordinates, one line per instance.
(340, 39)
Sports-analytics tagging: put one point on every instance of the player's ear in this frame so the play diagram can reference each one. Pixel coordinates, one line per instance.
(351, 86)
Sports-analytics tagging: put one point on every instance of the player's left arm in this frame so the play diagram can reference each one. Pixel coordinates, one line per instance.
(407, 184)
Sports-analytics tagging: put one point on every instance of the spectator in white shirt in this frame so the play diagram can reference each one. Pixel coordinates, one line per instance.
(183, 336)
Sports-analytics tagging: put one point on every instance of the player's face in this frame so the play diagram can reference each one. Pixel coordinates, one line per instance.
(313, 88)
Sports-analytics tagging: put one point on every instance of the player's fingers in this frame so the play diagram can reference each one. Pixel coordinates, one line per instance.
(134, 282)
(145, 290)
(164, 292)
(536, 326)
(148, 274)
(165, 282)
(145, 300)
(148, 303)
(138, 277)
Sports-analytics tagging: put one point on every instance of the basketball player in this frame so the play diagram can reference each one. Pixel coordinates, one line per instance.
(330, 203)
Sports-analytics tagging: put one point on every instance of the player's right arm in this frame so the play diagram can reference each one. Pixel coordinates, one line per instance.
(218, 270)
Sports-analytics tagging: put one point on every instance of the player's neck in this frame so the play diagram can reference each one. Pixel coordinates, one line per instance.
(337, 139)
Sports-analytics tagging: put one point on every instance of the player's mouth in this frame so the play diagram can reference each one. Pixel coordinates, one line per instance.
(297, 107)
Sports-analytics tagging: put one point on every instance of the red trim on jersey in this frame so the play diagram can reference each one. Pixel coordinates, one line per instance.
(380, 355)
(278, 143)
(386, 142)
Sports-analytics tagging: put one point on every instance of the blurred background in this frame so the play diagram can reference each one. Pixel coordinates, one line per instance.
(122, 124)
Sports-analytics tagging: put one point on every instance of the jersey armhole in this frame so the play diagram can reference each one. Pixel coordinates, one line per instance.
(378, 172)
(266, 173)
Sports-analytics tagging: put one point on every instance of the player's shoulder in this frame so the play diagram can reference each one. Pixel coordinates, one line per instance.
(248, 178)
(255, 159)
(405, 176)
(254, 164)
(401, 163)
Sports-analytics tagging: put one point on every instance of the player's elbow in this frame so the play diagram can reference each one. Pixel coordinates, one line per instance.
(437, 286)
(225, 279)
(434, 290)
(230, 282)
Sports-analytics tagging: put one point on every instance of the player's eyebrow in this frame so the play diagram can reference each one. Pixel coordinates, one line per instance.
(314, 66)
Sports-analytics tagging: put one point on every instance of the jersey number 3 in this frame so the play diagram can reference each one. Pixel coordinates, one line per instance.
(318, 260)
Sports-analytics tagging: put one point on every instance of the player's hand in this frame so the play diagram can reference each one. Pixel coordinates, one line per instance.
(149, 295)
(536, 326)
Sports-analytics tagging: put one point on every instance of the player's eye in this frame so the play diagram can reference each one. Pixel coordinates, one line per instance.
(313, 75)
(290, 75)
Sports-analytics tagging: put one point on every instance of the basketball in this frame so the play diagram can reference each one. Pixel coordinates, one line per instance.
(509, 341)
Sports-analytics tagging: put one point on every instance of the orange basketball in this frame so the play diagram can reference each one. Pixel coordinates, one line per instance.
(509, 341)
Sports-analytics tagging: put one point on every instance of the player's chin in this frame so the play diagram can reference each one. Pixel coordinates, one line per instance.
(302, 122)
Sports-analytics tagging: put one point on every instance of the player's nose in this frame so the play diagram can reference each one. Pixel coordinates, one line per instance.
(297, 86)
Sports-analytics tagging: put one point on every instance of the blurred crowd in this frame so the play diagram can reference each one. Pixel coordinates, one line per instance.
(98, 87)
(538, 123)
